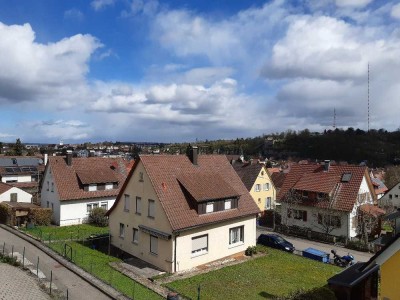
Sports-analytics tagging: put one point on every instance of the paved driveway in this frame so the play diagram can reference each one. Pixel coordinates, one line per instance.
(302, 244)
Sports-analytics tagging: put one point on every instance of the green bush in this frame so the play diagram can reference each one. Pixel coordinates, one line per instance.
(250, 251)
(98, 217)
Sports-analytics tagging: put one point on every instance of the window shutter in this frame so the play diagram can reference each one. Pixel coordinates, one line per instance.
(101, 187)
(220, 205)
(235, 203)
(86, 188)
(304, 215)
(115, 185)
(201, 207)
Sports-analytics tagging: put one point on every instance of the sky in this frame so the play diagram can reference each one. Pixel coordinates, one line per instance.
(179, 71)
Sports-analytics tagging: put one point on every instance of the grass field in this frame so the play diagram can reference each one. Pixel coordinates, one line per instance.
(278, 274)
(75, 232)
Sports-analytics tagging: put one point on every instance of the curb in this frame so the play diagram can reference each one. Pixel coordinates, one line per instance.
(100, 285)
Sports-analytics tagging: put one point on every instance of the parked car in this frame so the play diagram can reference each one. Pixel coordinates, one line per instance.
(275, 241)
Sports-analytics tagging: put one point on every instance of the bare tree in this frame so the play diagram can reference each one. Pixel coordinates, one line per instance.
(291, 200)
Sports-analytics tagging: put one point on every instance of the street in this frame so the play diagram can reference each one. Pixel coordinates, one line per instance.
(301, 244)
(62, 277)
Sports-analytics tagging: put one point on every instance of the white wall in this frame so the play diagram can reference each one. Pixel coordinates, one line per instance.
(22, 196)
(50, 198)
(16, 178)
(391, 198)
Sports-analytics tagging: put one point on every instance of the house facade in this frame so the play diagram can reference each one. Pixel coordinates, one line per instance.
(258, 182)
(177, 212)
(13, 194)
(391, 199)
(326, 198)
(72, 187)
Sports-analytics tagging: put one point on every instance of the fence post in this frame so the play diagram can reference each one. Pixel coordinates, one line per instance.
(198, 292)
(51, 280)
(12, 251)
(23, 258)
(37, 267)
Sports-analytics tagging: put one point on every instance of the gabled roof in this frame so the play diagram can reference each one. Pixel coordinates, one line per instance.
(313, 178)
(278, 178)
(4, 187)
(92, 170)
(248, 172)
(9, 161)
(168, 174)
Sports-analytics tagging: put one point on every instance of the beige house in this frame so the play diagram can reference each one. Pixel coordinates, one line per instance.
(178, 212)
(259, 183)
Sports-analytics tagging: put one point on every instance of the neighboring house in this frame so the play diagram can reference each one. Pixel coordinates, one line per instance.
(72, 187)
(360, 281)
(258, 182)
(327, 198)
(391, 199)
(24, 172)
(178, 212)
(13, 194)
(379, 187)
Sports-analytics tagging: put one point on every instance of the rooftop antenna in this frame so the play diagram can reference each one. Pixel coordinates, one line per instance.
(334, 117)
(368, 96)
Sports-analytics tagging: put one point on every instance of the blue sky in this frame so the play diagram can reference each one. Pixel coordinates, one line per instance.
(172, 71)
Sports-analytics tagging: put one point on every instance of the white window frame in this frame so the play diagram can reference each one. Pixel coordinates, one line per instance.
(209, 207)
(104, 205)
(199, 246)
(121, 230)
(151, 211)
(138, 206)
(236, 235)
(268, 202)
(257, 187)
(266, 186)
(135, 235)
(228, 204)
(109, 186)
(153, 245)
(92, 187)
(126, 202)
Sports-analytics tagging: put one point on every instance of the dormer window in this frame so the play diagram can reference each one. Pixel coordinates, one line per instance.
(109, 186)
(210, 207)
(228, 204)
(92, 187)
(305, 194)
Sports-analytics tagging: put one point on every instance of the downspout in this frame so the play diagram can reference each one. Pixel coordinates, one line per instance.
(175, 246)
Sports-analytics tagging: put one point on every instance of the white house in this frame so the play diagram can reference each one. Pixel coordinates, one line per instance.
(72, 187)
(391, 199)
(13, 194)
(327, 198)
(178, 212)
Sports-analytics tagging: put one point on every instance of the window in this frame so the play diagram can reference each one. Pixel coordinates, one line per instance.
(52, 206)
(329, 220)
(210, 207)
(153, 244)
(126, 202)
(321, 195)
(104, 205)
(390, 196)
(396, 196)
(199, 245)
(257, 187)
(141, 176)
(138, 205)
(236, 235)
(266, 186)
(91, 206)
(92, 187)
(13, 197)
(52, 187)
(268, 201)
(151, 209)
(48, 185)
(300, 214)
(121, 230)
(48, 204)
(109, 186)
(135, 236)
(304, 194)
(259, 200)
(228, 204)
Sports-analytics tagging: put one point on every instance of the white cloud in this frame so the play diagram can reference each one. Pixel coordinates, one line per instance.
(395, 12)
(100, 4)
(74, 14)
(352, 3)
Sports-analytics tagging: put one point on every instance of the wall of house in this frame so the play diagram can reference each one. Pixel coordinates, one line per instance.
(389, 285)
(144, 189)
(16, 178)
(49, 198)
(392, 197)
(218, 243)
(75, 211)
(22, 196)
(261, 196)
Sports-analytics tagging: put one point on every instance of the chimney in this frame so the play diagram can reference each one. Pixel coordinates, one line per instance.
(327, 165)
(193, 153)
(91, 153)
(69, 157)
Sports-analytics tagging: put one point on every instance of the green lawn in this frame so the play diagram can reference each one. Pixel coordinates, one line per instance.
(277, 274)
(74, 232)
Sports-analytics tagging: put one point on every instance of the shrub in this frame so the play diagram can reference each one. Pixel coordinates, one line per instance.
(41, 216)
(98, 217)
(250, 251)
(5, 214)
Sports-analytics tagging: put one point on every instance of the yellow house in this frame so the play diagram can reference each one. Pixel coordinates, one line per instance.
(177, 212)
(360, 281)
(259, 183)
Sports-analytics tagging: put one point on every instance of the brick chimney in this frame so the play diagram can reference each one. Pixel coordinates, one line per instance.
(193, 154)
(327, 165)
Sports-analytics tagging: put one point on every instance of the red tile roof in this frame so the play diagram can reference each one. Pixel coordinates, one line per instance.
(313, 178)
(248, 173)
(90, 168)
(4, 187)
(165, 171)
